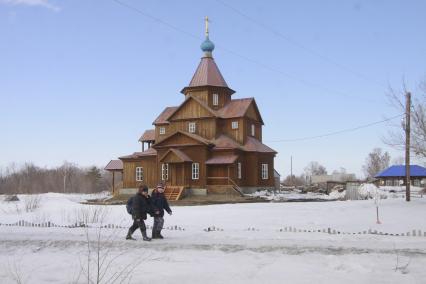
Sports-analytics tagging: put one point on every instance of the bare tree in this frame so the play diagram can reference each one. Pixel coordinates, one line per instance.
(376, 162)
(314, 169)
(294, 180)
(396, 135)
(66, 178)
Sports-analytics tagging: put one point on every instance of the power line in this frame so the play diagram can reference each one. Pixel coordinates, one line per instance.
(337, 132)
(300, 45)
(253, 61)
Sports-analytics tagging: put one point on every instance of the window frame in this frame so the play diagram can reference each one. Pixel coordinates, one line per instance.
(164, 171)
(192, 127)
(265, 171)
(162, 130)
(234, 124)
(215, 99)
(195, 171)
(139, 173)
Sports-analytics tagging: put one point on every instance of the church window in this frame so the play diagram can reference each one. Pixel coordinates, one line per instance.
(239, 170)
(164, 172)
(191, 127)
(215, 99)
(235, 125)
(265, 171)
(253, 130)
(195, 170)
(139, 174)
(162, 130)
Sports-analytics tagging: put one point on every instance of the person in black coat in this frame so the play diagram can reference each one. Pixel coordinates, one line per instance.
(141, 206)
(160, 203)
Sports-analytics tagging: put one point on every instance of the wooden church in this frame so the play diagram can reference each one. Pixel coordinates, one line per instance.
(210, 143)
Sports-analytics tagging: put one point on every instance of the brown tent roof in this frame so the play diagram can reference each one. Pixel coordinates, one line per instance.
(207, 74)
(114, 165)
(222, 160)
(162, 118)
(254, 145)
(148, 135)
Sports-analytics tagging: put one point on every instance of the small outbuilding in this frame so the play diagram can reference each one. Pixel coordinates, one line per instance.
(395, 176)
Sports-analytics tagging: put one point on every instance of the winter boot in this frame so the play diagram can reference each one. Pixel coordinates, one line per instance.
(158, 235)
(154, 234)
(145, 237)
(129, 235)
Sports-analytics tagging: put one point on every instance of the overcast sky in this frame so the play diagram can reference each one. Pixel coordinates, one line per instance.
(81, 80)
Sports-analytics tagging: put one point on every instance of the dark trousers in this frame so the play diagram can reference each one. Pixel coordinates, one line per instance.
(158, 224)
(137, 223)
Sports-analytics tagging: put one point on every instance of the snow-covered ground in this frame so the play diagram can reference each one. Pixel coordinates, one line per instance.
(365, 191)
(248, 244)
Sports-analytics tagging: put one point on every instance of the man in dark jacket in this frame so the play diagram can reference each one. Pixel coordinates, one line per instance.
(160, 203)
(141, 206)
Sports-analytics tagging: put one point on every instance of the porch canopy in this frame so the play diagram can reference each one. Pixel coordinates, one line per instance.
(222, 160)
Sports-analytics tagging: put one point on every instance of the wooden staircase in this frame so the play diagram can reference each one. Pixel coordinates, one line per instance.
(173, 193)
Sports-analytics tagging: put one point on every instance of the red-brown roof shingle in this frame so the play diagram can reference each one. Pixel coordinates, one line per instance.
(207, 74)
(114, 165)
(254, 145)
(162, 118)
(148, 135)
(222, 160)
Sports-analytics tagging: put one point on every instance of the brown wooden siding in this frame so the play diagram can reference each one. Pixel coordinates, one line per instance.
(149, 172)
(191, 110)
(226, 128)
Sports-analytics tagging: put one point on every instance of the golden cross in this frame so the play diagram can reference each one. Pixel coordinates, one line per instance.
(206, 21)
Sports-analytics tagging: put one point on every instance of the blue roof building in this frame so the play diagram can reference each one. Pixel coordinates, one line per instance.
(395, 175)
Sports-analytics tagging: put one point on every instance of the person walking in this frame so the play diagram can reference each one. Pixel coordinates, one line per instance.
(160, 203)
(141, 206)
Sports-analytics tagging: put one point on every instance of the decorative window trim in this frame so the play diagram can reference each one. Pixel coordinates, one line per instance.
(239, 174)
(195, 171)
(234, 125)
(215, 99)
(139, 173)
(162, 130)
(164, 172)
(265, 171)
(191, 127)
(253, 130)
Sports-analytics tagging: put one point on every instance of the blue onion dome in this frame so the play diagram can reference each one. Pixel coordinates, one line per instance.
(207, 45)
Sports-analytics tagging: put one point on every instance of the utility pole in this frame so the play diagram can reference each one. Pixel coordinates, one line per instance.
(291, 170)
(407, 145)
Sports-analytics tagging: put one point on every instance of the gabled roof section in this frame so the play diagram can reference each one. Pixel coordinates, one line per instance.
(190, 135)
(189, 98)
(177, 154)
(399, 171)
(148, 135)
(239, 108)
(207, 74)
(254, 145)
(162, 118)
